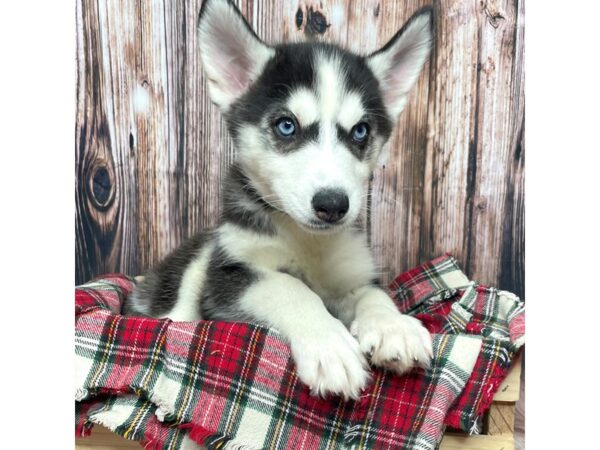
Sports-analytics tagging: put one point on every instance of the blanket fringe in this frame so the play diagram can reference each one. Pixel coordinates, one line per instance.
(202, 436)
(81, 394)
(233, 446)
(199, 434)
(475, 428)
(519, 342)
(99, 421)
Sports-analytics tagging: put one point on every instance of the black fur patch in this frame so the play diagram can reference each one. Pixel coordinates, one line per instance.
(287, 71)
(243, 206)
(226, 280)
(376, 282)
(358, 149)
(294, 67)
(157, 293)
(302, 136)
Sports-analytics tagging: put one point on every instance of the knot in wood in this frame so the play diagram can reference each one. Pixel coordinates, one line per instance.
(493, 13)
(101, 186)
(316, 22)
(299, 18)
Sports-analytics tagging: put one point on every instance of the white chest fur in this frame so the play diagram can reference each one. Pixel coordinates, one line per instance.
(330, 264)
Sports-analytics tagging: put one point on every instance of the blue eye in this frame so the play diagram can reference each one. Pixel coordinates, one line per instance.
(285, 127)
(360, 132)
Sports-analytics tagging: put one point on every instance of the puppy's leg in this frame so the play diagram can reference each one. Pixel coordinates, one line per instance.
(327, 357)
(392, 340)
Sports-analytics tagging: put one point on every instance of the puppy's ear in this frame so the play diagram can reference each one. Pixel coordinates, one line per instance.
(398, 63)
(232, 54)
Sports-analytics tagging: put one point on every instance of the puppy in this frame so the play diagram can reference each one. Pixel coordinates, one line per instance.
(309, 121)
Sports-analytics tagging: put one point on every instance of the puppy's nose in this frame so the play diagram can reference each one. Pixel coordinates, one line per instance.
(330, 205)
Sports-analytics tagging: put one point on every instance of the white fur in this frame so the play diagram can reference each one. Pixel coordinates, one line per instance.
(333, 264)
(330, 86)
(328, 359)
(399, 66)
(351, 111)
(327, 163)
(186, 308)
(395, 341)
(304, 105)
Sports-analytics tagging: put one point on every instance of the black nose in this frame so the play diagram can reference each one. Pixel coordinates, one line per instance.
(330, 205)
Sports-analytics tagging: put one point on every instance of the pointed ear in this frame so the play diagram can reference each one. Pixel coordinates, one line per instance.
(398, 63)
(232, 54)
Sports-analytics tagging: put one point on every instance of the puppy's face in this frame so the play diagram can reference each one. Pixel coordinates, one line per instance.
(309, 131)
(309, 120)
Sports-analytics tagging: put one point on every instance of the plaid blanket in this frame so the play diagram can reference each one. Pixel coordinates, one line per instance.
(233, 385)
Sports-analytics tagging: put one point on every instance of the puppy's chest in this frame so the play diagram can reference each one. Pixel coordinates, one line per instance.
(330, 267)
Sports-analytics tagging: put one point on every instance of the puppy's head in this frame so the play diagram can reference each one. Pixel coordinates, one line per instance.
(309, 119)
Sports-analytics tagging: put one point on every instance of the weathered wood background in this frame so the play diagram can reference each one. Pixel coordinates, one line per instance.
(152, 149)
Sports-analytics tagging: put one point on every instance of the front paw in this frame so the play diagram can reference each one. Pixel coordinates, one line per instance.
(393, 340)
(328, 360)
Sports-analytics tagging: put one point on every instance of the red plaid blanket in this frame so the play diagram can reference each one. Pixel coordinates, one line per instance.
(232, 385)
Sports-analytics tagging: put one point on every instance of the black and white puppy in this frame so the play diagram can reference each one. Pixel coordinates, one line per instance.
(309, 121)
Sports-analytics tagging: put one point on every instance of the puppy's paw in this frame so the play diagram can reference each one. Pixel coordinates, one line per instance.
(392, 340)
(329, 361)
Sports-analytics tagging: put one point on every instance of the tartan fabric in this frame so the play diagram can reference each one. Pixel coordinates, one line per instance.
(441, 296)
(132, 417)
(427, 284)
(232, 385)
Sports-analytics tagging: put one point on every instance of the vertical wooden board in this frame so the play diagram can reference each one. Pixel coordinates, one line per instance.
(419, 194)
(151, 144)
(497, 167)
(153, 151)
(199, 145)
(512, 272)
(451, 144)
(209, 149)
(86, 255)
(198, 149)
(426, 197)
(180, 141)
(103, 187)
(397, 190)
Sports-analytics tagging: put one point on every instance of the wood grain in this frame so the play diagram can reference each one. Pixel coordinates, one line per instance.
(481, 442)
(398, 187)
(501, 419)
(152, 149)
(104, 439)
(497, 172)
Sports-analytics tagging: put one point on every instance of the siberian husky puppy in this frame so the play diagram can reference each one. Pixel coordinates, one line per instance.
(309, 121)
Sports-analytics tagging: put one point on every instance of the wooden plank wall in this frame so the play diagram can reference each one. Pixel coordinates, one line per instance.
(151, 148)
